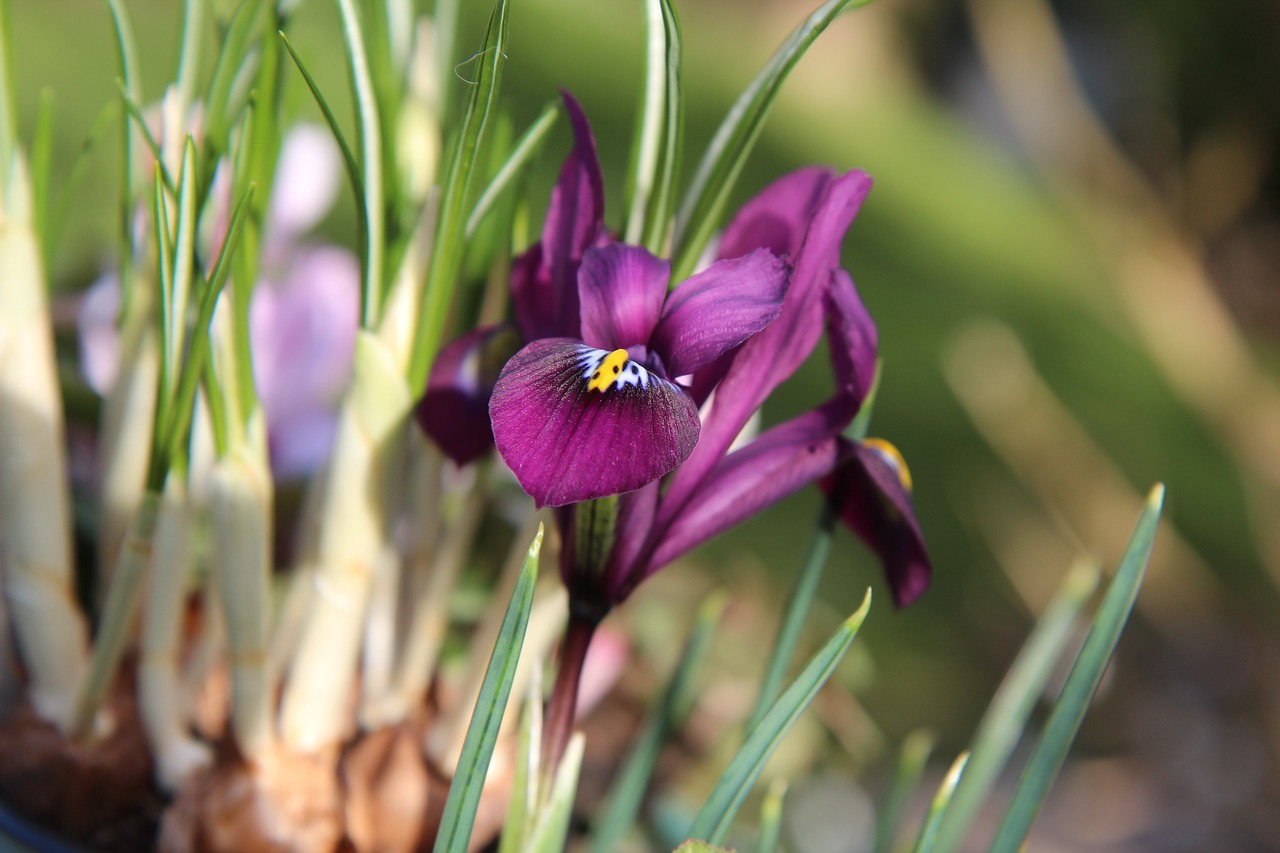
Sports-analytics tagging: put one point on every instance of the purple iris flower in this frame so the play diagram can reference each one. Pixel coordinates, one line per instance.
(628, 388)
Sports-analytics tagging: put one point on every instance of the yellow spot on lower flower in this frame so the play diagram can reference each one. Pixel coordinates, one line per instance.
(893, 457)
(608, 371)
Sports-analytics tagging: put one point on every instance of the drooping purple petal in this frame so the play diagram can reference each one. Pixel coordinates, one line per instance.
(767, 359)
(566, 441)
(544, 283)
(454, 411)
(621, 289)
(719, 308)
(779, 462)
(871, 493)
(852, 336)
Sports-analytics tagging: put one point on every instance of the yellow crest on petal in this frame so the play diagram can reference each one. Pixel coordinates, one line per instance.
(890, 454)
(611, 367)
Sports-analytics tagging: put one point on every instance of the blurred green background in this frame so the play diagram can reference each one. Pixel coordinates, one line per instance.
(1072, 254)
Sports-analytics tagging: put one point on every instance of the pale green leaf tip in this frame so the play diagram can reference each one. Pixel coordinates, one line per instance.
(854, 622)
(772, 806)
(1082, 578)
(535, 547)
(953, 775)
(1155, 499)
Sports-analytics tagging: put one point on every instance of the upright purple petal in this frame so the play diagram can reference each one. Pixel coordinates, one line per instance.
(872, 493)
(719, 308)
(544, 285)
(621, 289)
(454, 411)
(767, 359)
(576, 423)
(778, 218)
(852, 336)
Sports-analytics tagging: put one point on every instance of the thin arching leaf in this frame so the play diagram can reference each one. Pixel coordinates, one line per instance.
(712, 823)
(718, 171)
(454, 834)
(1082, 682)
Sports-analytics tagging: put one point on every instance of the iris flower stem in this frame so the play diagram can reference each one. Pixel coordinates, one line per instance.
(558, 720)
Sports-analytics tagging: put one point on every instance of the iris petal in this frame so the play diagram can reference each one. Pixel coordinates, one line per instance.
(719, 308)
(621, 289)
(871, 494)
(567, 442)
(455, 409)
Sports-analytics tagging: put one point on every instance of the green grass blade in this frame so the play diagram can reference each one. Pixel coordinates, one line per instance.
(446, 253)
(524, 783)
(189, 50)
(482, 734)
(938, 808)
(553, 821)
(229, 72)
(624, 800)
(348, 158)
(526, 148)
(41, 164)
(1016, 698)
(726, 798)
(656, 148)
(140, 122)
(906, 777)
(8, 114)
(771, 818)
(370, 133)
(58, 211)
(445, 20)
(173, 430)
(718, 171)
(1082, 682)
(797, 612)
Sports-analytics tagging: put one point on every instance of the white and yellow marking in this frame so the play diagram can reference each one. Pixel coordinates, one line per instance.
(603, 370)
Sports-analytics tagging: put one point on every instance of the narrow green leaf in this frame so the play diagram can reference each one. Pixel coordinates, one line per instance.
(524, 783)
(447, 254)
(370, 133)
(70, 186)
(233, 68)
(41, 162)
(140, 123)
(718, 171)
(771, 818)
(8, 114)
(164, 269)
(906, 777)
(938, 808)
(655, 150)
(553, 821)
(861, 424)
(1003, 724)
(1082, 682)
(482, 734)
(445, 31)
(526, 148)
(189, 50)
(348, 159)
(623, 803)
(183, 250)
(712, 823)
(796, 613)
